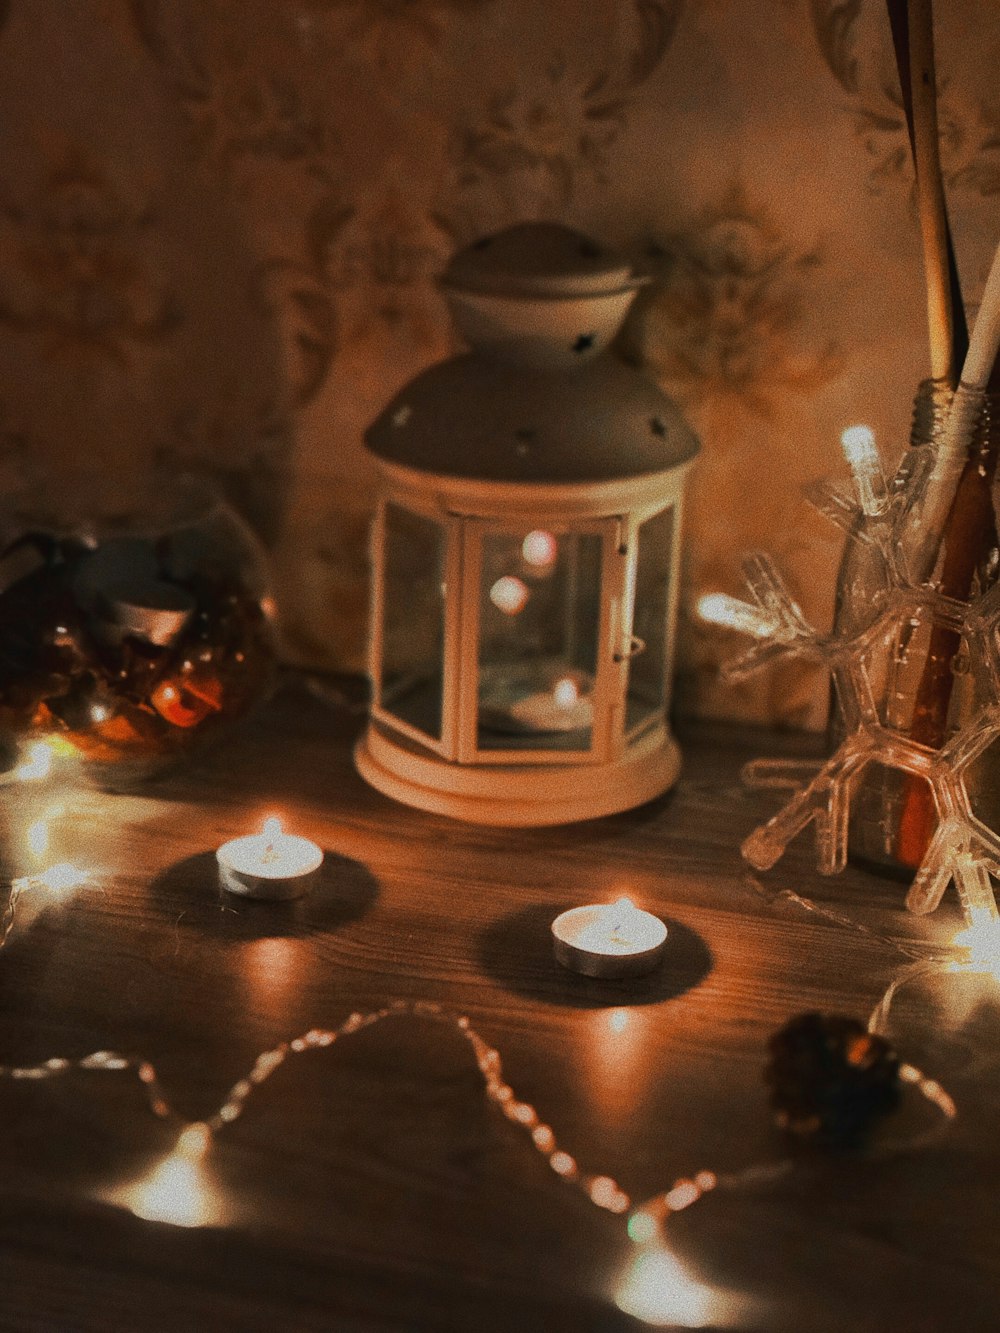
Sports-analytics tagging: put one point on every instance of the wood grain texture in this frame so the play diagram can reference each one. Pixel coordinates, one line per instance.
(372, 1186)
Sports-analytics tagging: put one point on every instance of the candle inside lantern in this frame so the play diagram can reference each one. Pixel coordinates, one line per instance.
(537, 701)
(609, 940)
(271, 864)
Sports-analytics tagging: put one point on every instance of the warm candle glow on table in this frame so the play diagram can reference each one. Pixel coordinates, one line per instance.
(270, 864)
(273, 970)
(609, 940)
(37, 757)
(612, 1053)
(60, 878)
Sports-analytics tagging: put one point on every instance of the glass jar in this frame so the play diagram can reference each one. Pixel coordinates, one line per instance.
(920, 673)
(130, 631)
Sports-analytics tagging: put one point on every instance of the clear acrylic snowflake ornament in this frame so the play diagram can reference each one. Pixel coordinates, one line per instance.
(895, 613)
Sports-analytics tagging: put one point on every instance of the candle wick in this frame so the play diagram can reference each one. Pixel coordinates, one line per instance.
(269, 854)
(618, 922)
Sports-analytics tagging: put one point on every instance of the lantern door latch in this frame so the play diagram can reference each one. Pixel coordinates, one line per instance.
(634, 648)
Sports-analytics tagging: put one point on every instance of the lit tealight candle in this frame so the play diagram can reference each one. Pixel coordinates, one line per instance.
(609, 940)
(270, 864)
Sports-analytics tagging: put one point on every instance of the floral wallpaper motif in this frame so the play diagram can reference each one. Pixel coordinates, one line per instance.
(221, 226)
(725, 314)
(73, 271)
(382, 30)
(566, 120)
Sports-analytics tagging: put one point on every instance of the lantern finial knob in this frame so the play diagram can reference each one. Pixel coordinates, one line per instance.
(539, 293)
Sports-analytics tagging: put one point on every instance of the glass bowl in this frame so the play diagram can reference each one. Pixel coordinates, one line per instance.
(129, 635)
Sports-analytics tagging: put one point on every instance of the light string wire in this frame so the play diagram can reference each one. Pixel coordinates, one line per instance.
(918, 952)
(925, 960)
(55, 879)
(10, 910)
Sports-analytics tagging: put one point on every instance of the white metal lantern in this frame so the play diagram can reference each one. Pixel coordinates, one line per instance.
(526, 551)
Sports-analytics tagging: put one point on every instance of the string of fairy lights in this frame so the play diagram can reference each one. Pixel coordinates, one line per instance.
(646, 1220)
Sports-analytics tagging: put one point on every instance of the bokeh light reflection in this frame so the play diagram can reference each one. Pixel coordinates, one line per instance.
(539, 549)
(177, 1190)
(510, 595)
(980, 945)
(659, 1290)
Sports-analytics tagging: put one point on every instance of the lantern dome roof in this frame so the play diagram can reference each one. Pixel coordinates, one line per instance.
(475, 417)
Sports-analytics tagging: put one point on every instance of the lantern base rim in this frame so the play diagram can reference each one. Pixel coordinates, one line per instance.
(518, 796)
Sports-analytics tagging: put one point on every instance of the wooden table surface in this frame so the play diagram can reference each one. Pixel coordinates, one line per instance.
(372, 1185)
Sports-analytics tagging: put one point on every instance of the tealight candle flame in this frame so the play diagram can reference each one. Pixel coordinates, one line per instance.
(271, 832)
(269, 864)
(609, 939)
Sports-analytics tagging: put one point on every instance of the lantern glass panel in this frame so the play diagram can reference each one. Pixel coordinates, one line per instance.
(412, 660)
(646, 698)
(539, 624)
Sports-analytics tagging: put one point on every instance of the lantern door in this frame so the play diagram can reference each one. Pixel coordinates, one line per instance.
(415, 557)
(654, 542)
(537, 680)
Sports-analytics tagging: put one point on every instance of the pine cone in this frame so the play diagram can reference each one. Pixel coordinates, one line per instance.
(830, 1079)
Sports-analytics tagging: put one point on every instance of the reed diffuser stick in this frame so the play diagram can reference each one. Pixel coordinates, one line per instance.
(955, 514)
(912, 24)
(930, 190)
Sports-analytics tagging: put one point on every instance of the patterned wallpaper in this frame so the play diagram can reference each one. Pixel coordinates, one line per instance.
(220, 225)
